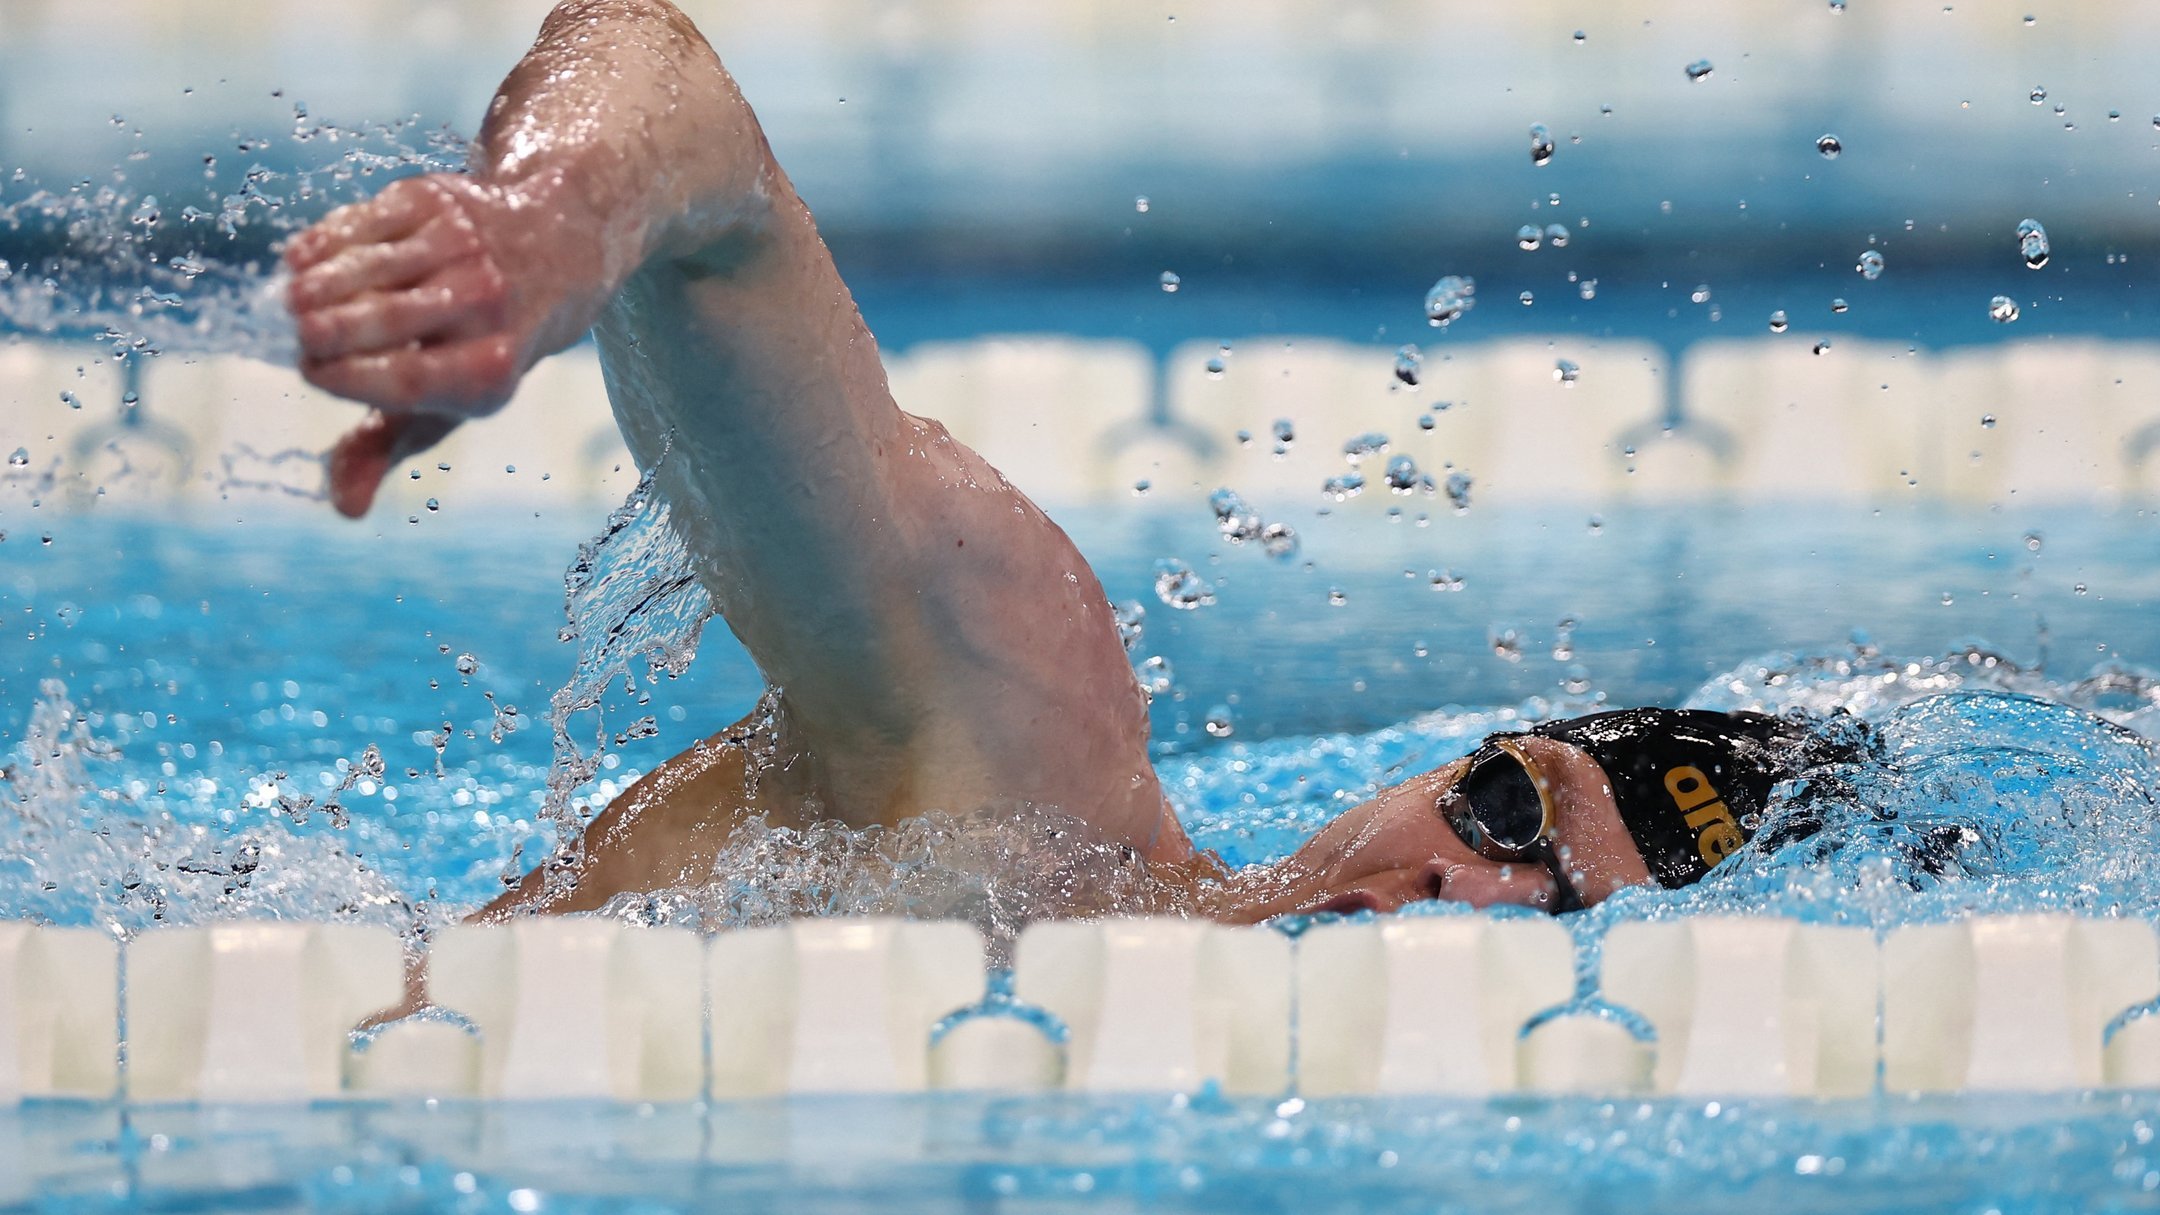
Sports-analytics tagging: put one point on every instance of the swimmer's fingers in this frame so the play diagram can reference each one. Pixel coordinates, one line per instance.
(462, 378)
(364, 456)
(385, 266)
(395, 213)
(467, 300)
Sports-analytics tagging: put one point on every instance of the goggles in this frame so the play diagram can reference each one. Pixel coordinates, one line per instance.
(1503, 809)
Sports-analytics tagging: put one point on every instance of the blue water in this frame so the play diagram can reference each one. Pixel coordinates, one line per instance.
(2015, 1155)
(304, 719)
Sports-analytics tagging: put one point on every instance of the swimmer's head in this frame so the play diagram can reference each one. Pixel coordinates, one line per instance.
(1401, 848)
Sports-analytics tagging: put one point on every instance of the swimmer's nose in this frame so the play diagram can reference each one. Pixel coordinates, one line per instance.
(1432, 882)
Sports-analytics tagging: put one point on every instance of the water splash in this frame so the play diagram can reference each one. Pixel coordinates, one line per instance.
(196, 269)
(634, 606)
(84, 841)
(999, 871)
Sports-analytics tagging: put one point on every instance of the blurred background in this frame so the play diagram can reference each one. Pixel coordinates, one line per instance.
(1689, 407)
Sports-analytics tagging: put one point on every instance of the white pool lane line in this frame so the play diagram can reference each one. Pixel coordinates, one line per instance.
(1463, 1006)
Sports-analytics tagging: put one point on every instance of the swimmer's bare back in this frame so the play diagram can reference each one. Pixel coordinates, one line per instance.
(939, 642)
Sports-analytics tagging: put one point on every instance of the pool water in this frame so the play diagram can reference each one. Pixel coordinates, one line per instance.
(221, 677)
(2087, 1152)
(292, 717)
(194, 695)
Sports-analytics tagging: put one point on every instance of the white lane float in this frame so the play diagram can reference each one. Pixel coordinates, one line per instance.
(1424, 1004)
(1750, 1006)
(835, 1005)
(2014, 1002)
(59, 1013)
(251, 1011)
(575, 1007)
(1163, 1005)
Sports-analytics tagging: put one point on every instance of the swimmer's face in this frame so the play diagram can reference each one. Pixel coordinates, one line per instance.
(1398, 849)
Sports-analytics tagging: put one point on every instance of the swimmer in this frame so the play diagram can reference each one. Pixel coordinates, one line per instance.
(934, 641)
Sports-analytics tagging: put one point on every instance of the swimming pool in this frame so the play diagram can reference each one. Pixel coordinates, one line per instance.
(1664, 466)
(176, 756)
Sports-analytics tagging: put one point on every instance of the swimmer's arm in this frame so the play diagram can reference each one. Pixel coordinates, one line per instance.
(617, 139)
(937, 637)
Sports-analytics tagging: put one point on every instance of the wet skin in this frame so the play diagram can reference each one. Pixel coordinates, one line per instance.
(940, 643)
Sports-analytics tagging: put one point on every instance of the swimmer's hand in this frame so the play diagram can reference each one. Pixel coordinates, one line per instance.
(429, 302)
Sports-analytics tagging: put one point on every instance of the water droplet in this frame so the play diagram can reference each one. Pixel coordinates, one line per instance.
(2032, 243)
(1458, 490)
(1556, 235)
(1870, 265)
(2033, 541)
(1527, 299)
(2078, 589)
(1337, 597)
(1426, 421)
(1156, 675)
(1823, 346)
(1219, 724)
(1449, 298)
(1179, 587)
(1216, 366)
(2002, 309)
(1345, 486)
(1830, 147)
(2114, 115)
(1284, 434)
(1141, 487)
(1407, 362)
(70, 400)
(1279, 540)
(2038, 95)
(1528, 236)
(1987, 421)
(1402, 475)
(1371, 443)
(1580, 37)
(1170, 282)
(433, 505)
(1699, 70)
(1566, 371)
(19, 458)
(467, 664)
(1140, 204)
(1236, 521)
(1541, 144)
(1444, 581)
(1587, 289)
(1839, 306)
(1837, 6)
(1946, 599)
(1506, 644)
(1701, 294)
(1597, 524)
(1131, 619)
(1778, 321)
